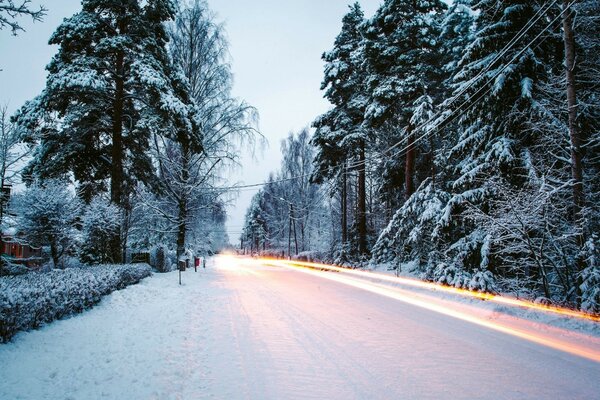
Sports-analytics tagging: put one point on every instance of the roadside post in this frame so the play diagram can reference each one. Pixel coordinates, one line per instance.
(204, 262)
(182, 266)
(196, 263)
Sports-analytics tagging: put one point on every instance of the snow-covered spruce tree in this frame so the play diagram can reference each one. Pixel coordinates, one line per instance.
(100, 222)
(457, 30)
(587, 75)
(402, 107)
(402, 61)
(47, 216)
(571, 172)
(109, 88)
(340, 137)
(500, 90)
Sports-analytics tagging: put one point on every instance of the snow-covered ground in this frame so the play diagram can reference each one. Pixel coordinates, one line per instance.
(243, 330)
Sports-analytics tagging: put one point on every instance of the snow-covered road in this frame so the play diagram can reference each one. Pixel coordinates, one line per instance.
(249, 331)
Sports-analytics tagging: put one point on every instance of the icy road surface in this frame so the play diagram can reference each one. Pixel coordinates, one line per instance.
(243, 330)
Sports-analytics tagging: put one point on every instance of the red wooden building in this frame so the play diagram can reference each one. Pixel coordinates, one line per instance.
(12, 247)
(19, 252)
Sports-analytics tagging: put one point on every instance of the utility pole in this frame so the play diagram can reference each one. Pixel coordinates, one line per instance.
(294, 222)
(290, 232)
(344, 205)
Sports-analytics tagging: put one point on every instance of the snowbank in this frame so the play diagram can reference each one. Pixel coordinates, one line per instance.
(30, 300)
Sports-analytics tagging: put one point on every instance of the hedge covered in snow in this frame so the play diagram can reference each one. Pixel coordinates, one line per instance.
(31, 300)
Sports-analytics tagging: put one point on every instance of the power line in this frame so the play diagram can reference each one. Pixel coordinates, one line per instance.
(447, 118)
(541, 12)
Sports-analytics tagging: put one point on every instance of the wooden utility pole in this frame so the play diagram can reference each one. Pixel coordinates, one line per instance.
(344, 205)
(289, 231)
(294, 222)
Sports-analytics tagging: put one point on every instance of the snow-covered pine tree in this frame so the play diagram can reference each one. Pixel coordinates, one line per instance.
(340, 137)
(402, 61)
(109, 88)
(456, 33)
(587, 75)
(497, 83)
(401, 103)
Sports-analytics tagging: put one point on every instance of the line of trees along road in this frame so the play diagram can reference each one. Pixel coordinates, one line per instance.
(137, 116)
(461, 145)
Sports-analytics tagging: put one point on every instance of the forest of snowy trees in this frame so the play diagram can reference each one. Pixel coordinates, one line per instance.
(126, 146)
(462, 146)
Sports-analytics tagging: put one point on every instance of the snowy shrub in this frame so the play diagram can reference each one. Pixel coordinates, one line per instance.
(101, 221)
(31, 300)
(47, 216)
(9, 269)
(310, 256)
(450, 275)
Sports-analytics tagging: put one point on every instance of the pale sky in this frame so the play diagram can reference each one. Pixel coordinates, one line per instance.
(276, 48)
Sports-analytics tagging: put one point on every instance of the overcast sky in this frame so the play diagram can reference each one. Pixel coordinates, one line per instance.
(276, 48)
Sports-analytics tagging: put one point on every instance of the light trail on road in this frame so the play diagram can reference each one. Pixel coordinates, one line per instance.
(526, 333)
(504, 300)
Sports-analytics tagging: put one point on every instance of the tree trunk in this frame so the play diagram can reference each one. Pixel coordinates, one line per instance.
(576, 162)
(54, 254)
(409, 169)
(362, 201)
(183, 216)
(344, 205)
(116, 188)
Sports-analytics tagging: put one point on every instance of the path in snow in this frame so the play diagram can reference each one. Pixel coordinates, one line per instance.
(238, 331)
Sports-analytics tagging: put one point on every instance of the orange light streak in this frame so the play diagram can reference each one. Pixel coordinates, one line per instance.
(447, 289)
(410, 298)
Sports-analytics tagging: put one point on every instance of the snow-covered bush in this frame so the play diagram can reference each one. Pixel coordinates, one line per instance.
(310, 256)
(47, 215)
(452, 275)
(8, 268)
(101, 221)
(31, 300)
